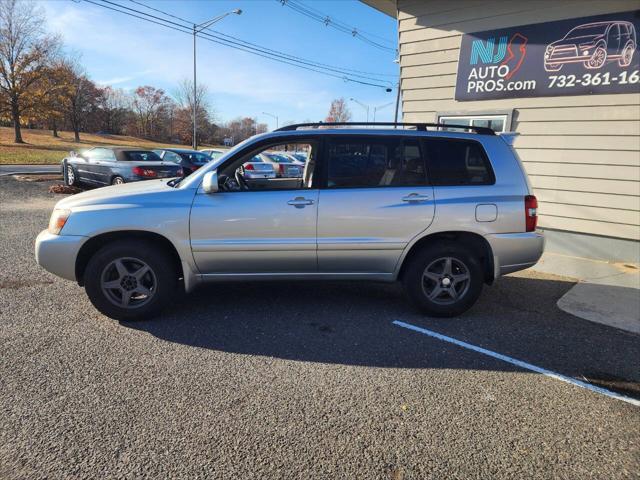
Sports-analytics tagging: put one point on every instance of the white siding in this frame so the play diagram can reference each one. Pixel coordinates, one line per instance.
(581, 152)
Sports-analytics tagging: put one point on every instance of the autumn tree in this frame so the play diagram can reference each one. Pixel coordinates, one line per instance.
(26, 52)
(339, 111)
(49, 98)
(149, 103)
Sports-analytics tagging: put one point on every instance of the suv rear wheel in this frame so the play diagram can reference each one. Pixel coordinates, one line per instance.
(444, 280)
(130, 280)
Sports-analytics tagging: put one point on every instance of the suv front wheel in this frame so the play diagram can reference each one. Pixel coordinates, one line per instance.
(130, 280)
(444, 280)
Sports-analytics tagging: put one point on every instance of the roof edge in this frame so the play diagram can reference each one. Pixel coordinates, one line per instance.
(388, 7)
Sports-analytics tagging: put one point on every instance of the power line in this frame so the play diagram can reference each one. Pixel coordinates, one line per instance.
(328, 21)
(184, 29)
(333, 20)
(265, 50)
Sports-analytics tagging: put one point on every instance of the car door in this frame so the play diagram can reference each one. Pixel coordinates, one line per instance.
(270, 230)
(613, 40)
(85, 167)
(104, 165)
(375, 200)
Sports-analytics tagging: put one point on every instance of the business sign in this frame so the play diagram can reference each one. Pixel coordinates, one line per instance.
(581, 56)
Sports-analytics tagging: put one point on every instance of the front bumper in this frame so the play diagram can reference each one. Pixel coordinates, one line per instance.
(515, 251)
(57, 253)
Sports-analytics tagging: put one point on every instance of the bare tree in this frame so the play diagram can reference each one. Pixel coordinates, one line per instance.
(83, 95)
(25, 53)
(184, 95)
(339, 111)
(114, 106)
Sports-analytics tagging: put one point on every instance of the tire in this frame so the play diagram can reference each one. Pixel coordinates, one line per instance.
(70, 177)
(117, 180)
(597, 60)
(428, 271)
(627, 55)
(553, 67)
(130, 280)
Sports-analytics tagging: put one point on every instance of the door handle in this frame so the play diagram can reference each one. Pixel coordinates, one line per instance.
(300, 202)
(415, 197)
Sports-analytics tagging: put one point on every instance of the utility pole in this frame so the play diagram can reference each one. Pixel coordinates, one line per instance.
(197, 29)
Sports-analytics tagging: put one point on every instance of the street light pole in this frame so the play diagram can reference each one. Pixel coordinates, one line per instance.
(272, 116)
(366, 107)
(380, 107)
(197, 29)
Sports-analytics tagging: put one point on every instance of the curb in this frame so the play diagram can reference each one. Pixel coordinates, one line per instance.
(47, 172)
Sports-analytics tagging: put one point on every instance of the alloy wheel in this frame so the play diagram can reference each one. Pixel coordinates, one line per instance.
(71, 176)
(446, 280)
(128, 282)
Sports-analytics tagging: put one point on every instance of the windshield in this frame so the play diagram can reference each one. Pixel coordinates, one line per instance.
(141, 156)
(587, 31)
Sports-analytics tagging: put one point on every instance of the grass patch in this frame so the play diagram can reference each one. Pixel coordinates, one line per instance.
(42, 148)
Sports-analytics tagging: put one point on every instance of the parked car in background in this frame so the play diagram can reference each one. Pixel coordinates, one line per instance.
(257, 169)
(214, 152)
(189, 160)
(116, 165)
(365, 209)
(283, 165)
(299, 156)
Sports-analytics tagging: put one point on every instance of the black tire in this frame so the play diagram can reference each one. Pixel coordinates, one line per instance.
(117, 180)
(161, 281)
(70, 176)
(417, 285)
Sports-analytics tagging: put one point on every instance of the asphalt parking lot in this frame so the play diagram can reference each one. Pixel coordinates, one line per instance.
(301, 380)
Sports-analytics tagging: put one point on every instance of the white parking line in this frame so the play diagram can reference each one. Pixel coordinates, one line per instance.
(519, 363)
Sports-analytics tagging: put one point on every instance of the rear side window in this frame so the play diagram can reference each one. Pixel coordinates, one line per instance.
(458, 162)
(364, 162)
(141, 156)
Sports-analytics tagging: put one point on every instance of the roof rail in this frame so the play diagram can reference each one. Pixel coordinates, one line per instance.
(418, 126)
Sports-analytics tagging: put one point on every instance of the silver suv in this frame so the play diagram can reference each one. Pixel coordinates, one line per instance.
(441, 211)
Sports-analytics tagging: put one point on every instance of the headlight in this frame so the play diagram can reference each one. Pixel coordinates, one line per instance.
(58, 219)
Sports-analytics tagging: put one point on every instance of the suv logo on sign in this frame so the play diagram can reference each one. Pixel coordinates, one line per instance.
(595, 55)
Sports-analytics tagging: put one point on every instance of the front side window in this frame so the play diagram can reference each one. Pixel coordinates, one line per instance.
(269, 167)
(364, 162)
(458, 162)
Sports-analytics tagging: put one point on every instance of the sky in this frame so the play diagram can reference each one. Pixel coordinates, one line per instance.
(126, 52)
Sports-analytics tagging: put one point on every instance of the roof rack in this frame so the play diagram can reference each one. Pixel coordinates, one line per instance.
(419, 126)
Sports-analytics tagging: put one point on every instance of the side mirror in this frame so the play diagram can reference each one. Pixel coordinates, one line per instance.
(73, 153)
(210, 182)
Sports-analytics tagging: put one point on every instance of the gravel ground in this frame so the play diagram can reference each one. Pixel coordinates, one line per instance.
(299, 380)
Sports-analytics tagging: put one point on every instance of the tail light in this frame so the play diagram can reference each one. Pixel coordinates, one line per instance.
(248, 166)
(144, 172)
(531, 212)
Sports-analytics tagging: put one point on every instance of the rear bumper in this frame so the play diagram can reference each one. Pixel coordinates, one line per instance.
(515, 251)
(57, 253)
